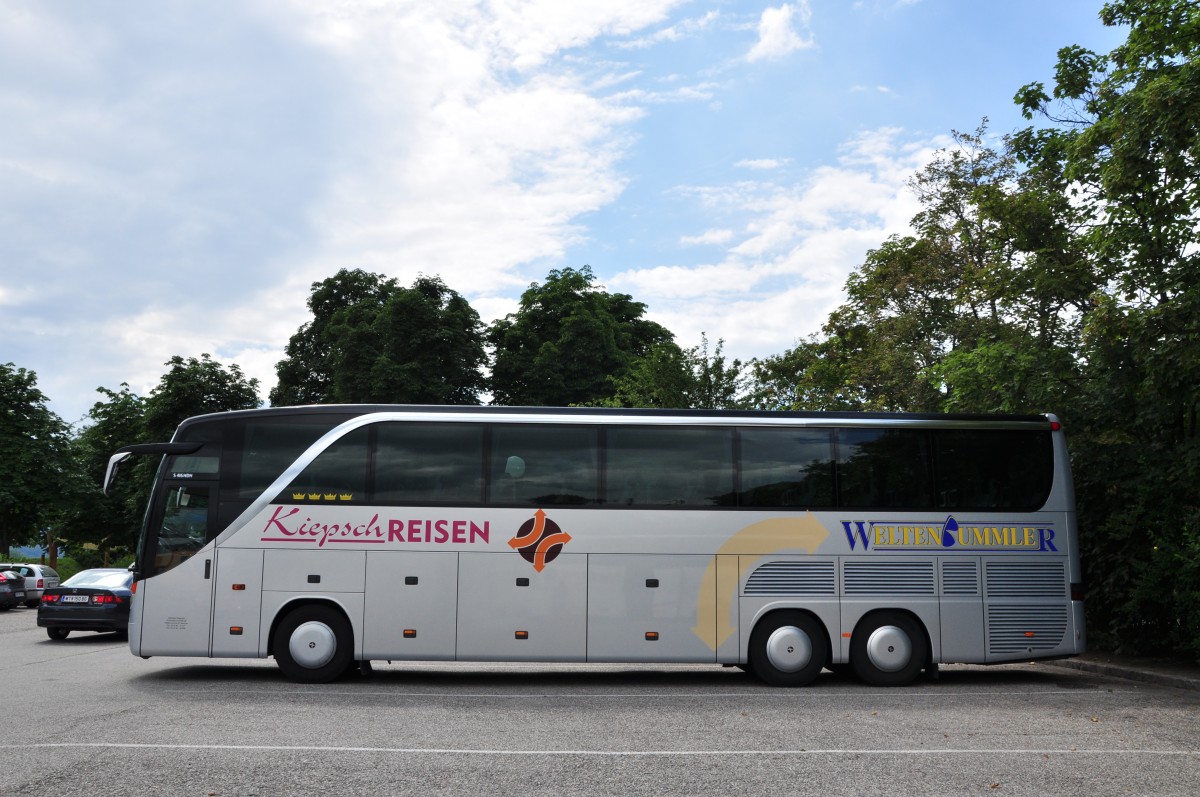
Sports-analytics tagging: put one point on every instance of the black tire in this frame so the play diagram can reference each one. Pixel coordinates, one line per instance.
(5, 608)
(314, 644)
(888, 649)
(57, 634)
(32, 604)
(788, 648)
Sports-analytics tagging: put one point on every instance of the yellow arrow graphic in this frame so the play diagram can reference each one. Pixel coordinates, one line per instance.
(777, 535)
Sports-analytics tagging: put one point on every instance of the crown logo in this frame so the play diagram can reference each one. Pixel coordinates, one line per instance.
(314, 496)
(346, 496)
(297, 496)
(330, 496)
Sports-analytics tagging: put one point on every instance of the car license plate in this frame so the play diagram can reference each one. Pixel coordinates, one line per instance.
(19, 594)
(74, 598)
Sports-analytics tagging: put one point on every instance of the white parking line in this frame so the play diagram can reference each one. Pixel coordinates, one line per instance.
(600, 753)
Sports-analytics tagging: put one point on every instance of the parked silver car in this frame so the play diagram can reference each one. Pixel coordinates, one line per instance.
(37, 579)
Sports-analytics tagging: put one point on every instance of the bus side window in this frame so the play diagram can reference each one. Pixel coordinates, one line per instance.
(544, 465)
(676, 466)
(429, 463)
(786, 468)
(884, 469)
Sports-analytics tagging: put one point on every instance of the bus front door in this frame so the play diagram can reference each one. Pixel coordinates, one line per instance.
(176, 566)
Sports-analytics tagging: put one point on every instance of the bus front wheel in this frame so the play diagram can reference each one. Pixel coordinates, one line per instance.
(888, 649)
(314, 644)
(788, 648)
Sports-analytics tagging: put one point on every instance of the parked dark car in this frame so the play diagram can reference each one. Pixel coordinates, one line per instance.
(91, 600)
(12, 589)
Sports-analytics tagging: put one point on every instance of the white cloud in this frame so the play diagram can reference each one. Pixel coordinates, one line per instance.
(707, 237)
(204, 165)
(785, 265)
(673, 33)
(777, 34)
(763, 163)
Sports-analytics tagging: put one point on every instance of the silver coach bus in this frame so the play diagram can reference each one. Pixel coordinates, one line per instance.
(780, 542)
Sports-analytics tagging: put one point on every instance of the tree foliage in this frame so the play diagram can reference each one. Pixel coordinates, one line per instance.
(671, 377)
(110, 523)
(980, 309)
(568, 341)
(34, 459)
(1126, 129)
(372, 341)
(195, 387)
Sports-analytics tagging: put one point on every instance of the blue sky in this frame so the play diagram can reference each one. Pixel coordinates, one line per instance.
(174, 176)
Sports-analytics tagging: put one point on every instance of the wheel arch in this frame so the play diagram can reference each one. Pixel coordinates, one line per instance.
(310, 600)
(774, 610)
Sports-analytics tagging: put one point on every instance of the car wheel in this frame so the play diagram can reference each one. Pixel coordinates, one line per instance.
(314, 644)
(32, 604)
(888, 649)
(57, 633)
(788, 648)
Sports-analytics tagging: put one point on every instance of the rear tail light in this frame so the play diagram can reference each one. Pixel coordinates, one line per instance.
(105, 599)
(41, 583)
(50, 598)
(2, 578)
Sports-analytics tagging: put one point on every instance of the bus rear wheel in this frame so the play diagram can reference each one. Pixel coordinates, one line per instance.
(788, 648)
(314, 644)
(888, 649)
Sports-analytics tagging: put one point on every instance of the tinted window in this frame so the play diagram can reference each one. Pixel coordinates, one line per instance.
(656, 466)
(787, 467)
(432, 463)
(107, 579)
(884, 468)
(337, 475)
(539, 465)
(268, 448)
(992, 468)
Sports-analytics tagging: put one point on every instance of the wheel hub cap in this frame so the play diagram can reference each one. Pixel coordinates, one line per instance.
(789, 649)
(889, 648)
(312, 645)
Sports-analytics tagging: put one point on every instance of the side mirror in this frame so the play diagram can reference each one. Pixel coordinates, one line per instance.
(110, 474)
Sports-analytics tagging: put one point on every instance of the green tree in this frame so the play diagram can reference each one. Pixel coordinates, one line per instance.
(694, 378)
(35, 467)
(568, 341)
(110, 523)
(195, 387)
(313, 355)
(978, 310)
(1125, 128)
(372, 341)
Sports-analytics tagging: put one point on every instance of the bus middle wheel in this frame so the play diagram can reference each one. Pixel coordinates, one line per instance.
(788, 648)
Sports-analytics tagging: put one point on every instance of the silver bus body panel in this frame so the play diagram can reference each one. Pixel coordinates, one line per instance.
(715, 572)
(411, 591)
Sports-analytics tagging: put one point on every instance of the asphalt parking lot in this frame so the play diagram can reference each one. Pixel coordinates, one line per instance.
(99, 721)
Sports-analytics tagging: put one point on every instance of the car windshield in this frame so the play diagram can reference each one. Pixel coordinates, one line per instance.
(107, 579)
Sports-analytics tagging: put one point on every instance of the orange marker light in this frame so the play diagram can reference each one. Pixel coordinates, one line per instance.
(235, 630)
(238, 587)
(410, 633)
(522, 635)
